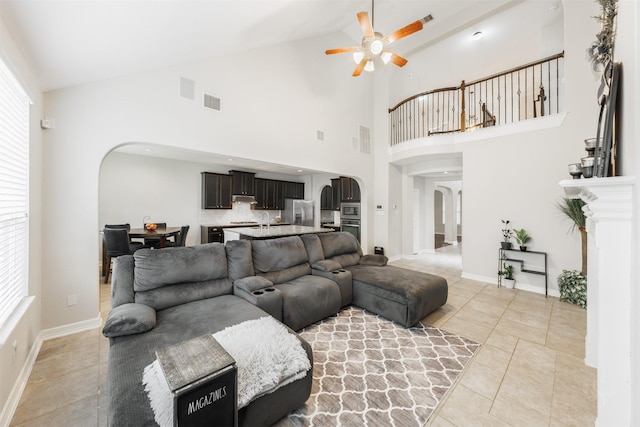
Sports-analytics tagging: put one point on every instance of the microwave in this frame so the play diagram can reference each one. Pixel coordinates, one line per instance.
(350, 210)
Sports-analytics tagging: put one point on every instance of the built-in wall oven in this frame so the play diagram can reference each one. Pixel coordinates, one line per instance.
(351, 226)
(350, 218)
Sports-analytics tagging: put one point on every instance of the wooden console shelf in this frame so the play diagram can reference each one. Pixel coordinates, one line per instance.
(503, 257)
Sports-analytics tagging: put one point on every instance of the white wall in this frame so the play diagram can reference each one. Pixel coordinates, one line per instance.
(15, 363)
(516, 178)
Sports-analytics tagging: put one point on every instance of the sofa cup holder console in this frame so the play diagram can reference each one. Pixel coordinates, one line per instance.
(262, 291)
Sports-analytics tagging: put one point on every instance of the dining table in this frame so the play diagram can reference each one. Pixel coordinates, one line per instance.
(161, 233)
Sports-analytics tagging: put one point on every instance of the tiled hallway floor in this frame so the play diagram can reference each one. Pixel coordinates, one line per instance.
(528, 372)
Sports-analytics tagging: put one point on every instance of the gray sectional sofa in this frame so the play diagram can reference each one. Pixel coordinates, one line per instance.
(163, 297)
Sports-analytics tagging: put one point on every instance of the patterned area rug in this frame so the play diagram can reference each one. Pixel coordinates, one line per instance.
(371, 371)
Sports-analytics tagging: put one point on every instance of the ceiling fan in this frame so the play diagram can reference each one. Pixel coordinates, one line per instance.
(374, 44)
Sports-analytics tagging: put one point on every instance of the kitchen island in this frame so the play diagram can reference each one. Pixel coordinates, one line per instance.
(255, 233)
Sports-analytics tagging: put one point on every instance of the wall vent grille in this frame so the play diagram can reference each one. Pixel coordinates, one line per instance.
(212, 102)
(365, 140)
(319, 135)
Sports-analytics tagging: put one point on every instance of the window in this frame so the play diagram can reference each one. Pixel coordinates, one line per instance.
(14, 192)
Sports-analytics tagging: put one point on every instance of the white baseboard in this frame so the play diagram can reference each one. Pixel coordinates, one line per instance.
(21, 382)
(72, 328)
(523, 287)
(478, 278)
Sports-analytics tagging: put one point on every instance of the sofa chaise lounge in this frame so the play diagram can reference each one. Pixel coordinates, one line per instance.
(163, 297)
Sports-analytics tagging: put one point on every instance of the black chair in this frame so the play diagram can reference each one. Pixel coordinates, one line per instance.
(117, 243)
(180, 239)
(126, 226)
(153, 242)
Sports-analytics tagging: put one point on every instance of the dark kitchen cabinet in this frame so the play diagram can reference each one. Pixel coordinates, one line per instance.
(293, 190)
(349, 190)
(336, 194)
(211, 234)
(216, 191)
(243, 183)
(326, 199)
(268, 194)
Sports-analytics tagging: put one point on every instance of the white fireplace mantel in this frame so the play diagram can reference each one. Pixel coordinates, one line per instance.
(609, 347)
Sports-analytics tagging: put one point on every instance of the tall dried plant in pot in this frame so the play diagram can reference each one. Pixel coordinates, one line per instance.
(573, 209)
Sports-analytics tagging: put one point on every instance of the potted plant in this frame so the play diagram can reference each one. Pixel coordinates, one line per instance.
(572, 208)
(522, 237)
(573, 287)
(507, 276)
(506, 234)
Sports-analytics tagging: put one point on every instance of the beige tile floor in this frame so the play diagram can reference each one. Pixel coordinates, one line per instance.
(528, 372)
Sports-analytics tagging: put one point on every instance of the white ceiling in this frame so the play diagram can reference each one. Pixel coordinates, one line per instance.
(71, 42)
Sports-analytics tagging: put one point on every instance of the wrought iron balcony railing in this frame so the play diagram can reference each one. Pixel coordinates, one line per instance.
(528, 91)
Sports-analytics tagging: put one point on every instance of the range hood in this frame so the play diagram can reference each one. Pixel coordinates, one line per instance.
(241, 198)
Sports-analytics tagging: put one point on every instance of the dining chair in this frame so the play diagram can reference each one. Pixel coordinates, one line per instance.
(181, 239)
(153, 242)
(117, 243)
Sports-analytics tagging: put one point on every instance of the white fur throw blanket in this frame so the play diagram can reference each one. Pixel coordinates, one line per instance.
(268, 357)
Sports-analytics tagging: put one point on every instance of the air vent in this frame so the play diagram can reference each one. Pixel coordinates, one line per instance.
(319, 135)
(365, 140)
(212, 102)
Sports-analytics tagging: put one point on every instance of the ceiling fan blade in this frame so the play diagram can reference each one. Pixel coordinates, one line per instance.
(365, 24)
(397, 59)
(360, 67)
(343, 50)
(404, 31)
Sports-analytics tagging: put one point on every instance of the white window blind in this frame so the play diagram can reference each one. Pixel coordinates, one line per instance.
(14, 192)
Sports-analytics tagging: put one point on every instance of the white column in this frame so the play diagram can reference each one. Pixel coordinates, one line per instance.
(609, 283)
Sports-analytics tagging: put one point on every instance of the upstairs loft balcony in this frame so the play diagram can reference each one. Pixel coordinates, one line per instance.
(530, 91)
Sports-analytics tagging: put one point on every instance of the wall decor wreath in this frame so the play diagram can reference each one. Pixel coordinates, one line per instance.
(600, 52)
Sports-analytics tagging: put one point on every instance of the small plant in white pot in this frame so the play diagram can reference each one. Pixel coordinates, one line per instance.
(507, 276)
(522, 237)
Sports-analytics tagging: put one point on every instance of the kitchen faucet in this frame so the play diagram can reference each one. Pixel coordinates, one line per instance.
(145, 219)
(268, 223)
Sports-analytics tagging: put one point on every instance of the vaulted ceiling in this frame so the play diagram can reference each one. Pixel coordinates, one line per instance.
(70, 42)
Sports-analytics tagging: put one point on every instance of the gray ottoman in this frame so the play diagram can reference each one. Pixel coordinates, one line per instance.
(404, 296)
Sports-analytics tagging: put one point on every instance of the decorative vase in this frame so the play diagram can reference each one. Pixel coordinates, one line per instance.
(523, 248)
(509, 283)
(505, 245)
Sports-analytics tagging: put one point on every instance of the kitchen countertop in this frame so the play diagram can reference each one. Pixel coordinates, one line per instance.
(277, 231)
(242, 224)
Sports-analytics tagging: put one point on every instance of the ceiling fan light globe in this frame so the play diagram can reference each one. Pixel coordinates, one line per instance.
(358, 56)
(376, 46)
(386, 57)
(369, 66)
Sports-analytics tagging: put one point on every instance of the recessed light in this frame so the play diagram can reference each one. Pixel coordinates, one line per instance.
(300, 170)
(477, 35)
(230, 160)
(446, 172)
(148, 149)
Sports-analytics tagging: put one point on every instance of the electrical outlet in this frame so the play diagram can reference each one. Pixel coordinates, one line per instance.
(71, 300)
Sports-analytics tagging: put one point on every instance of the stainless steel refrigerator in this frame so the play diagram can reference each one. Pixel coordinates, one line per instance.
(298, 212)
